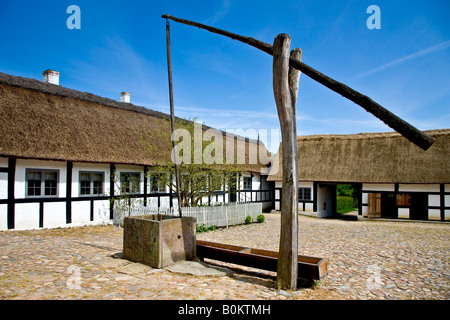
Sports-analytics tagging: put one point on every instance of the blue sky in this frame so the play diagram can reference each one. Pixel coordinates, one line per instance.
(404, 66)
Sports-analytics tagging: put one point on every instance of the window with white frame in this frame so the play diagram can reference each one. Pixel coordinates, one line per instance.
(157, 182)
(247, 183)
(42, 182)
(202, 183)
(130, 182)
(91, 183)
(304, 194)
(217, 182)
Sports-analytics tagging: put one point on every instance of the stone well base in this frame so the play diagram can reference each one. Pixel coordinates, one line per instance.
(159, 240)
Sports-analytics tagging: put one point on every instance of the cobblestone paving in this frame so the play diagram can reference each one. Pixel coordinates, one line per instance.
(368, 260)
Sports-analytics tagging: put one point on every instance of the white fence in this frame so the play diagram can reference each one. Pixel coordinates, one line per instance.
(220, 216)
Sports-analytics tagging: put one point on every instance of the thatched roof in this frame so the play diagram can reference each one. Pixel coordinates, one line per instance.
(370, 158)
(44, 121)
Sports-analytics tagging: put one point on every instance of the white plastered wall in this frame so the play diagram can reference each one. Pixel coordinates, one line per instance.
(27, 214)
(3, 194)
(81, 210)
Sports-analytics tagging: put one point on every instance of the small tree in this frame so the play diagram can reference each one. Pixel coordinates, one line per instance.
(124, 201)
(201, 161)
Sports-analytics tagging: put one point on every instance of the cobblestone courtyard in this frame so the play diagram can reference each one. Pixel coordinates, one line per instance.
(368, 260)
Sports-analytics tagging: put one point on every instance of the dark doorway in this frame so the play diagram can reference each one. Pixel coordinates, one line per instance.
(348, 199)
(388, 205)
(419, 206)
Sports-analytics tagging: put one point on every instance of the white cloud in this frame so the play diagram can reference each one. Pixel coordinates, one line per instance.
(115, 66)
(442, 46)
(440, 122)
(222, 12)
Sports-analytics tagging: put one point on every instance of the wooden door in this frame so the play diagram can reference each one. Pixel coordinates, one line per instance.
(374, 205)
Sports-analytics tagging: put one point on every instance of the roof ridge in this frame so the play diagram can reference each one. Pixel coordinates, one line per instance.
(366, 135)
(40, 86)
(36, 85)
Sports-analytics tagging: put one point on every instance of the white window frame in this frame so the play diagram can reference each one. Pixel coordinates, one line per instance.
(244, 178)
(91, 183)
(160, 187)
(122, 180)
(301, 194)
(42, 188)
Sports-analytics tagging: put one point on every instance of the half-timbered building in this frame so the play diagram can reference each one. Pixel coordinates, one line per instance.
(394, 178)
(59, 148)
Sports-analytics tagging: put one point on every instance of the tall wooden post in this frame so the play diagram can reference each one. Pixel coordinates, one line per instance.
(285, 86)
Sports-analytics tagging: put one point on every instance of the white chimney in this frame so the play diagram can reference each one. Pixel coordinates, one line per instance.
(51, 76)
(125, 97)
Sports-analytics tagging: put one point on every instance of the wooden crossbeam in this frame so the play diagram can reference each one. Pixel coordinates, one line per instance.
(401, 126)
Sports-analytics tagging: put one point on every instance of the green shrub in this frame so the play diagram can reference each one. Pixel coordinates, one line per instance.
(260, 218)
(248, 219)
(203, 228)
(344, 204)
(345, 190)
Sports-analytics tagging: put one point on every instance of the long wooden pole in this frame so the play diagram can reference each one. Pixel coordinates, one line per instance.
(285, 87)
(172, 116)
(404, 128)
